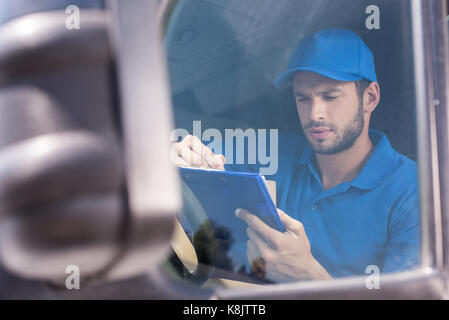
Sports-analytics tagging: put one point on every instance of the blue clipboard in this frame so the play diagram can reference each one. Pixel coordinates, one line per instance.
(221, 192)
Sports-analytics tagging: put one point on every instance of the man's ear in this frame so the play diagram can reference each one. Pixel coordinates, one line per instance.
(371, 97)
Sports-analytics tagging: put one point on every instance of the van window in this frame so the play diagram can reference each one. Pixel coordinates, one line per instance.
(318, 97)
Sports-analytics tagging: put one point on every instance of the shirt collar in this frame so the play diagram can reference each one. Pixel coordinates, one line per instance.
(375, 171)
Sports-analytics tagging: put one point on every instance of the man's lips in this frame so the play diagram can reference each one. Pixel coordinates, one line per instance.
(319, 133)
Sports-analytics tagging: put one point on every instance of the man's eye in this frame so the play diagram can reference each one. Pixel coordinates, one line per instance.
(330, 97)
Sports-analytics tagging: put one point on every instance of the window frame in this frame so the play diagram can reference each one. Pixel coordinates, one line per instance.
(429, 31)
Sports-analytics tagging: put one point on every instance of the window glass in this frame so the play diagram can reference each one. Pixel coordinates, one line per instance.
(318, 97)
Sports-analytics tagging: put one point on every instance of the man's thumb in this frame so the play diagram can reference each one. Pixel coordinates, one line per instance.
(292, 225)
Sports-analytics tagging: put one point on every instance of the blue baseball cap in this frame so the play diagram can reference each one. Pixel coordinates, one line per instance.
(334, 53)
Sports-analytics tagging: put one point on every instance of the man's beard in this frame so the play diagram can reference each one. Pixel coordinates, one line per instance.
(345, 138)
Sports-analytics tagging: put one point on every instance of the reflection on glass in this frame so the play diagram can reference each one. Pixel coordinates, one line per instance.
(307, 94)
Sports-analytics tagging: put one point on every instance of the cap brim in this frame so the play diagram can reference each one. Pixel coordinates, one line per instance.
(287, 75)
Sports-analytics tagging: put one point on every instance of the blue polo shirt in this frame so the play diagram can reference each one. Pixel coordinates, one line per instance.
(371, 220)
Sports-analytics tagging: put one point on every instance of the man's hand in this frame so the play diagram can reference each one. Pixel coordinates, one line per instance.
(280, 257)
(191, 152)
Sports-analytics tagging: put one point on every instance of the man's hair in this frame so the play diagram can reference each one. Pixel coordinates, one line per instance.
(360, 86)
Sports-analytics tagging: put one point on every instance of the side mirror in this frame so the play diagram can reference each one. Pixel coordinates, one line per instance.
(84, 173)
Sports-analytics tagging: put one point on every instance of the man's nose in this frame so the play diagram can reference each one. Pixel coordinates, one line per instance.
(318, 111)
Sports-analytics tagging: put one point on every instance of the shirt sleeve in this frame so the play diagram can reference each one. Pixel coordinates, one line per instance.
(403, 246)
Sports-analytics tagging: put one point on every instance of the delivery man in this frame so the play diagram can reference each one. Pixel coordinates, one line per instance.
(348, 200)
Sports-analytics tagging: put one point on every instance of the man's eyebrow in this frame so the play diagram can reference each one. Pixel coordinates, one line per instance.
(332, 90)
(299, 93)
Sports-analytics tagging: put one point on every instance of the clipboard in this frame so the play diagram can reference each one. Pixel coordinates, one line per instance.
(221, 192)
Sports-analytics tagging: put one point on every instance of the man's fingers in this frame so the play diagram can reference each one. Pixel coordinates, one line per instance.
(255, 260)
(258, 225)
(252, 252)
(195, 144)
(213, 160)
(177, 161)
(265, 246)
(293, 226)
(219, 161)
(257, 240)
(195, 152)
(192, 158)
(175, 158)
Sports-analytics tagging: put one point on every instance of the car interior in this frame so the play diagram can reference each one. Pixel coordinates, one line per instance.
(224, 56)
(59, 89)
